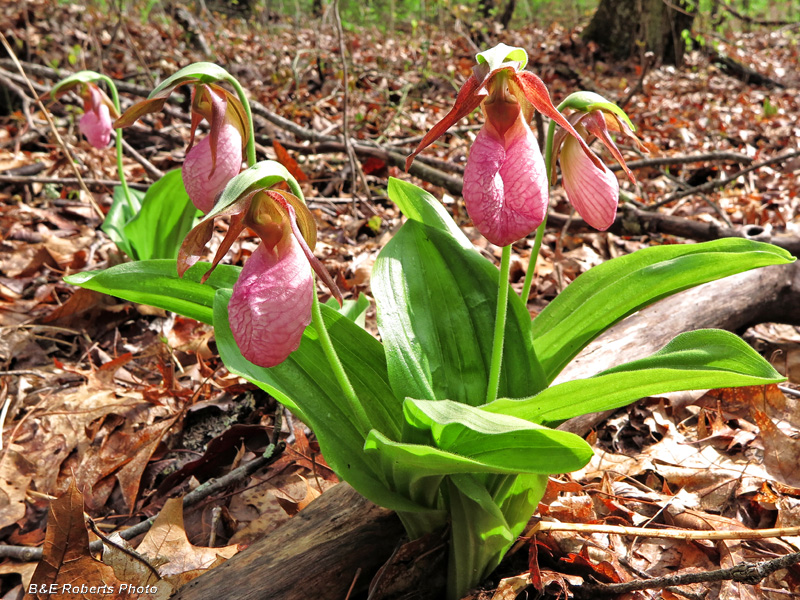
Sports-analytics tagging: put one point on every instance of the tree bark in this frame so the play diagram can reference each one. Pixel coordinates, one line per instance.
(625, 28)
(318, 552)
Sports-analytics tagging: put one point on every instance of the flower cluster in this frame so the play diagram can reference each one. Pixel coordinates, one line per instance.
(506, 179)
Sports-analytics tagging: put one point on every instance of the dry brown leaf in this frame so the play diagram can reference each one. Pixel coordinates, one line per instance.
(127, 568)
(781, 452)
(291, 506)
(67, 570)
(15, 476)
(167, 540)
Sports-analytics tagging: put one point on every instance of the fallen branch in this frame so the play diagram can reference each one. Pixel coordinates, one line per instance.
(684, 159)
(69, 181)
(721, 183)
(633, 221)
(210, 487)
(745, 572)
(739, 71)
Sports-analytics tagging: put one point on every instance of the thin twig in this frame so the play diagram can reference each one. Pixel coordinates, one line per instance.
(674, 534)
(109, 542)
(53, 128)
(149, 167)
(720, 183)
(68, 181)
(355, 167)
(684, 159)
(745, 572)
(212, 486)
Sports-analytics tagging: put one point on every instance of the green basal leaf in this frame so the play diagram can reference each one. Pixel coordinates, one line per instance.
(436, 310)
(203, 72)
(619, 287)
(306, 385)
(166, 216)
(418, 205)
(120, 213)
(502, 53)
(355, 310)
(508, 443)
(704, 359)
(480, 534)
(156, 282)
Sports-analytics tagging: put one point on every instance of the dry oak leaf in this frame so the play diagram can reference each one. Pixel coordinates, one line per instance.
(15, 476)
(132, 570)
(167, 540)
(67, 570)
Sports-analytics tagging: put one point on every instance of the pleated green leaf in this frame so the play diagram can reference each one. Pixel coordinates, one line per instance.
(156, 282)
(708, 358)
(617, 288)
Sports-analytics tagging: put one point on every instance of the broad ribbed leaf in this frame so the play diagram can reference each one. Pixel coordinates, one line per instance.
(165, 218)
(617, 288)
(119, 214)
(418, 205)
(436, 309)
(355, 310)
(305, 384)
(513, 444)
(708, 358)
(156, 282)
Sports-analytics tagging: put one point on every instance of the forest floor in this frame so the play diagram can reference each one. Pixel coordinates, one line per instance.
(132, 404)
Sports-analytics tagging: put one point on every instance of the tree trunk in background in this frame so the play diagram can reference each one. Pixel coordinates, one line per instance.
(508, 13)
(626, 28)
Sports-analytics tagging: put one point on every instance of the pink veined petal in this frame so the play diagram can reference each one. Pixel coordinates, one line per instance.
(204, 180)
(593, 192)
(271, 304)
(96, 126)
(505, 188)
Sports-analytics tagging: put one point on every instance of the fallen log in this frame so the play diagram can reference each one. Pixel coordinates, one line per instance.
(318, 552)
(633, 221)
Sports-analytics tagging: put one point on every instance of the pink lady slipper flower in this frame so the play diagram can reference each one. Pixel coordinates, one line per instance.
(215, 160)
(95, 123)
(271, 302)
(505, 180)
(591, 188)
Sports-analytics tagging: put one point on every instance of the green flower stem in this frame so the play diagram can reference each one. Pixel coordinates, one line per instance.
(499, 326)
(251, 133)
(537, 244)
(338, 370)
(118, 141)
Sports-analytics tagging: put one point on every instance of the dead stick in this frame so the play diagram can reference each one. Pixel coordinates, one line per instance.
(684, 159)
(745, 572)
(673, 534)
(53, 128)
(212, 486)
(68, 181)
(720, 183)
